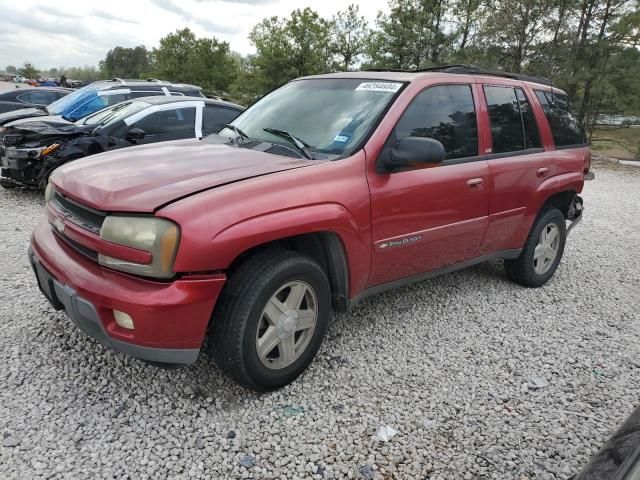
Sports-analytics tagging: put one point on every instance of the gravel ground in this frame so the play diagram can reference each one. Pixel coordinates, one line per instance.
(481, 378)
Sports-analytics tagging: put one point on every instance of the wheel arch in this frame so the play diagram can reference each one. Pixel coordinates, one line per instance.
(325, 247)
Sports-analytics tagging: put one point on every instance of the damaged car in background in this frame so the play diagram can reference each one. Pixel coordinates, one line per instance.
(99, 95)
(30, 149)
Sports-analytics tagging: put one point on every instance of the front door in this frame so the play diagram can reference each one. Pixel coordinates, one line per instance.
(427, 218)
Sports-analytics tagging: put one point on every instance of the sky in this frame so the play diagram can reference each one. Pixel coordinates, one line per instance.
(76, 33)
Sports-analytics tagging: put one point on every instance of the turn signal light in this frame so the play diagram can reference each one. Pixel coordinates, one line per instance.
(123, 320)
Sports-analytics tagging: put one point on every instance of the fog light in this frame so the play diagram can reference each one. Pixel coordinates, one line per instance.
(123, 319)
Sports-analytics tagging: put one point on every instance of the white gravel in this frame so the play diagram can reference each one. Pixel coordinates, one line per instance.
(481, 378)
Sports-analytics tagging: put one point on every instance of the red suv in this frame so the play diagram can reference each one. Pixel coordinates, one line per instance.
(330, 189)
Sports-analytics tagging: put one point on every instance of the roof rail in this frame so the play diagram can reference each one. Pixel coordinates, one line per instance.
(464, 68)
(116, 79)
(154, 80)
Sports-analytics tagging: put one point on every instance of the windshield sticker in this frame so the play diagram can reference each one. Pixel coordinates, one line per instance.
(379, 87)
(341, 138)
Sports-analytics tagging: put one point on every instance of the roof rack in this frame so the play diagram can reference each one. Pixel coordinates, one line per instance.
(463, 68)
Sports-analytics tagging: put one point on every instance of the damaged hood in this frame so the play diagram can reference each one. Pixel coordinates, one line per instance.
(141, 179)
(22, 113)
(48, 126)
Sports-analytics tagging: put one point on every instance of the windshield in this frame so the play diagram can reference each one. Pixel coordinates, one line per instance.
(331, 115)
(111, 115)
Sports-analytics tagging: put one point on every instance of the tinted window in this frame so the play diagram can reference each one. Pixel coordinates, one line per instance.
(504, 114)
(565, 128)
(41, 98)
(113, 99)
(147, 93)
(169, 122)
(215, 118)
(531, 133)
(445, 113)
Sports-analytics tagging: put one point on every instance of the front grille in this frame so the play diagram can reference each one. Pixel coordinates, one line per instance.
(85, 217)
(87, 252)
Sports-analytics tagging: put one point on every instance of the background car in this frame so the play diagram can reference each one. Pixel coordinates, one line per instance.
(19, 98)
(32, 149)
(102, 94)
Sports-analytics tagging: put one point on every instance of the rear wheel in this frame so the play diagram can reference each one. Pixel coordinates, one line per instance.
(542, 252)
(271, 318)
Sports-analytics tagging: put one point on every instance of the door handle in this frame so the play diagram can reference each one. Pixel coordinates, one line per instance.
(475, 183)
(542, 172)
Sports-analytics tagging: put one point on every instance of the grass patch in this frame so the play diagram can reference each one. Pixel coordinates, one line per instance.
(616, 142)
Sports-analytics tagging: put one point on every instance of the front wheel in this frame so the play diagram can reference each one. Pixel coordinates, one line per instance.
(542, 252)
(271, 318)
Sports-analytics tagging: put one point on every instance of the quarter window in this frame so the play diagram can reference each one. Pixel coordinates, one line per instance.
(565, 127)
(445, 113)
(169, 122)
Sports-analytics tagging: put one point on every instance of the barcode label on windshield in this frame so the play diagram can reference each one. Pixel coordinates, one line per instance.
(379, 87)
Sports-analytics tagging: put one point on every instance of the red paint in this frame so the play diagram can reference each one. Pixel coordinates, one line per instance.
(440, 216)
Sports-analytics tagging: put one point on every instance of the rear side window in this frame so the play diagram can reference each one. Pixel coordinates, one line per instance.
(215, 118)
(531, 133)
(146, 93)
(41, 98)
(445, 113)
(169, 122)
(565, 128)
(513, 126)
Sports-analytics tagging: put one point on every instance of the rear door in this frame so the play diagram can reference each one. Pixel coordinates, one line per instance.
(427, 218)
(517, 161)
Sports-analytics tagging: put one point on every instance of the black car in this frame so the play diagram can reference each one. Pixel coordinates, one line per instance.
(102, 94)
(31, 149)
(37, 97)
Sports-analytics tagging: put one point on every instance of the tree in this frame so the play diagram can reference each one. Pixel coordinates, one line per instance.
(172, 56)
(348, 37)
(28, 71)
(11, 69)
(206, 62)
(413, 35)
(286, 49)
(125, 62)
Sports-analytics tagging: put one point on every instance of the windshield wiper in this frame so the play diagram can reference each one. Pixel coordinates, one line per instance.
(301, 145)
(239, 133)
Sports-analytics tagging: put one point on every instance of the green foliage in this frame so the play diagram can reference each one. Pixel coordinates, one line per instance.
(124, 62)
(207, 62)
(290, 48)
(11, 69)
(349, 31)
(28, 71)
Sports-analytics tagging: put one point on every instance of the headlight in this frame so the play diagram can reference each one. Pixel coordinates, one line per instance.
(49, 192)
(50, 149)
(157, 236)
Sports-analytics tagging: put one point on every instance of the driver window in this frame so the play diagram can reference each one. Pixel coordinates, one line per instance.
(445, 113)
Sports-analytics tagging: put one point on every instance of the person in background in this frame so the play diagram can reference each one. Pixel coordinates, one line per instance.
(63, 80)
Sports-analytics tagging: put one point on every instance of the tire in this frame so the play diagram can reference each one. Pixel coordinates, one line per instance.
(256, 304)
(527, 269)
(7, 184)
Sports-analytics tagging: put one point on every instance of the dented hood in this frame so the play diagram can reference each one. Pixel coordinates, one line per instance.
(47, 126)
(141, 179)
(22, 113)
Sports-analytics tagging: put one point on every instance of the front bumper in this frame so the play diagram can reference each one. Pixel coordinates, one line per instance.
(170, 318)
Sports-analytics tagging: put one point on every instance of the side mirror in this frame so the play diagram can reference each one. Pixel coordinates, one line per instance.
(411, 151)
(135, 134)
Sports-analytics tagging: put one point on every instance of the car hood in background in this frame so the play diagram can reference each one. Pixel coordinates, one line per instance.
(142, 179)
(48, 125)
(22, 113)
